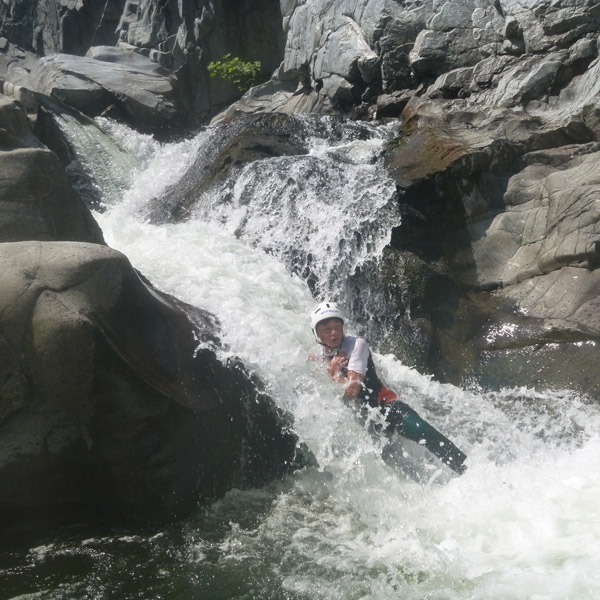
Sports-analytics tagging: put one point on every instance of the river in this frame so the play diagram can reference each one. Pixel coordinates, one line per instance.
(523, 523)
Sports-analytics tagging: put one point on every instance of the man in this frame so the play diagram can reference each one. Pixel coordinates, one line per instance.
(349, 362)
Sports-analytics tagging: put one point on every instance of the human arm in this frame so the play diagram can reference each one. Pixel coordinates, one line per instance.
(354, 384)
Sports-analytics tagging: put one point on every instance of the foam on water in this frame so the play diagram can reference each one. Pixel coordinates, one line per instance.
(522, 523)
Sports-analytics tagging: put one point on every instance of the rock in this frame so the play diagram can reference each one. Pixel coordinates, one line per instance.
(550, 221)
(48, 27)
(333, 44)
(15, 125)
(506, 201)
(277, 96)
(567, 19)
(36, 199)
(139, 88)
(181, 37)
(453, 84)
(15, 64)
(391, 105)
(528, 80)
(113, 405)
(342, 54)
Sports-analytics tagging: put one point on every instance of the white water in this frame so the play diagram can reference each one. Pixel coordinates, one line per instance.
(522, 523)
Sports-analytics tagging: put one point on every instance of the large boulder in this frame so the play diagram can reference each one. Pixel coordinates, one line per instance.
(113, 404)
(134, 88)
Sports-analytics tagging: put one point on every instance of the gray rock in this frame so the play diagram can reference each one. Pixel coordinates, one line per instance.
(336, 42)
(138, 87)
(452, 15)
(343, 54)
(113, 404)
(113, 401)
(415, 42)
(36, 199)
(524, 246)
(452, 84)
(48, 27)
(15, 124)
(276, 96)
(530, 79)
(186, 36)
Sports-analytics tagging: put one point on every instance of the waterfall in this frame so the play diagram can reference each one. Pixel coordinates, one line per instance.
(101, 169)
(324, 214)
(522, 522)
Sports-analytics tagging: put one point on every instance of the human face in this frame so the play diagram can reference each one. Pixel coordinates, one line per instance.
(331, 332)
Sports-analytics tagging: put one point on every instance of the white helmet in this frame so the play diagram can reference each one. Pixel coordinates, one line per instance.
(322, 312)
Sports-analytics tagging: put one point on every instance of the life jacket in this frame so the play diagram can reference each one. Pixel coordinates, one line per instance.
(373, 392)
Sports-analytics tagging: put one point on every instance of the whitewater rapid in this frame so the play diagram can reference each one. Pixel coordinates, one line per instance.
(523, 523)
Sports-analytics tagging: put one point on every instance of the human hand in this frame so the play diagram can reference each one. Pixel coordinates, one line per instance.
(336, 365)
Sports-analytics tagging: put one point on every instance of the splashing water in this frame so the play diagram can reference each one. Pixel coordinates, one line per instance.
(324, 214)
(523, 523)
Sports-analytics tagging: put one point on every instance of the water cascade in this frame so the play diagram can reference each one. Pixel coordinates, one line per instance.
(522, 523)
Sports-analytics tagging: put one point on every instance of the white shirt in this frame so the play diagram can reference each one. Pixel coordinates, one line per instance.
(357, 352)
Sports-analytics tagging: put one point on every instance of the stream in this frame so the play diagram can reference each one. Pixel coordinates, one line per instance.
(523, 523)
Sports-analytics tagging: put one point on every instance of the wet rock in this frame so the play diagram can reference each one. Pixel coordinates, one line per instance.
(113, 404)
(505, 199)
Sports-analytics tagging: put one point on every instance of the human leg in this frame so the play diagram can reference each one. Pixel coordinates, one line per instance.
(402, 419)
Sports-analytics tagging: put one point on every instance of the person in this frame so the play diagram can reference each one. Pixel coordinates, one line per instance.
(349, 362)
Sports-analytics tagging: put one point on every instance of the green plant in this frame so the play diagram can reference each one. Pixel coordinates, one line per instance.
(242, 74)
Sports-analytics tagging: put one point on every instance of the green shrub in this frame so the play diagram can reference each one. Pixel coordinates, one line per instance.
(242, 74)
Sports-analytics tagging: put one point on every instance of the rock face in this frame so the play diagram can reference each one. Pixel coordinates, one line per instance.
(370, 56)
(503, 201)
(141, 90)
(342, 56)
(142, 61)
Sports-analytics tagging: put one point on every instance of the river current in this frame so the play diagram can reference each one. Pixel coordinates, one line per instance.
(523, 523)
